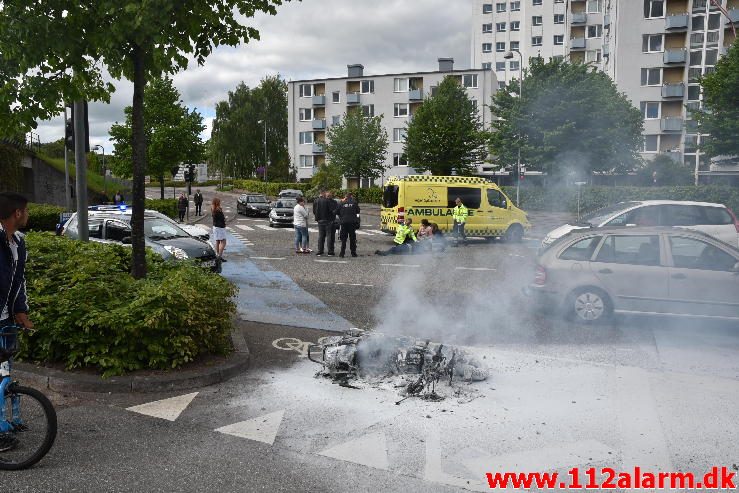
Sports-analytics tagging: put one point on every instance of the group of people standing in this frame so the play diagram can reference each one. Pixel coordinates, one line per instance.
(331, 216)
(183, 203)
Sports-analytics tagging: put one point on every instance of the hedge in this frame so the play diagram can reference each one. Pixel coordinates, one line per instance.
(269, 187)
(183, 184)
(90, 313)
(165, 206)
(43, 217)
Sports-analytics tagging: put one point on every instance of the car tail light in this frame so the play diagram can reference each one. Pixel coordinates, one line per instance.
(736, 221)
(540, 277)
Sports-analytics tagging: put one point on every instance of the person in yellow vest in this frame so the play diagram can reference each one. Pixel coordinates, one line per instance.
(405, 237)
(459, 216)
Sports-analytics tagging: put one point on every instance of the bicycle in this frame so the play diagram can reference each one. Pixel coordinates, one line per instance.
(27, 418)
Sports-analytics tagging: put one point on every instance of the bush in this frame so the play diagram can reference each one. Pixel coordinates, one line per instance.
(91, 313)
(43, 217)
(183, 184)
(268, 187)
(166, 206)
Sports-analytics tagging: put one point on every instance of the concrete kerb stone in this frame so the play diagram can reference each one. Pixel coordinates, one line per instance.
(56, 380)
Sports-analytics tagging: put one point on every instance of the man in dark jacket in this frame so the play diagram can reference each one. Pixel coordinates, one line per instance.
(182, 204)
(349, 217)
(324, 210)
(198, 200)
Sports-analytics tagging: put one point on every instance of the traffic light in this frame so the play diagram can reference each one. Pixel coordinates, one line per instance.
(191, 168)
(69, 134)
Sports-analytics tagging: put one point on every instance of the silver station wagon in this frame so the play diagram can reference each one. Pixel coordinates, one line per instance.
(591, 274)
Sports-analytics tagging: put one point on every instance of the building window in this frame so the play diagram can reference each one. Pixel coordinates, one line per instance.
(594, 31)
(515, 6)
(696, 40)
(594, 6)
(487, 8)
(691, 144)
(368, 110)
(514, 65)
(367, 87)
(487, 65)
(699, 6)
(536, 2)
(400, 110)
(335, 120)
(515, 45)
(694, 93)
(654, 8)
(559, 18)
(536, 41)
(336, 97)
(306, 137)
(696, 58)
(694, 74)
(592, 56)
(306, 114)
(469, 80)
(306, 161)
(487, 28)
(537, 20)
(712, 39)
(500, 7)
(500, 66)
(651, 76)
(306, 90)
(500, 27)
(714, 21)
(400, 85)
(711, 57)
(399, 159)
(487, 47)
(697, 23)
(500, 47)
(398, 135)
(516, 26)
(650, 110)
(651, 143)
(652, 43)
(501, 84)
(559, 39)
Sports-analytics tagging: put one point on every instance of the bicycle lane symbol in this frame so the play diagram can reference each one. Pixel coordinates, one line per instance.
(294, 344)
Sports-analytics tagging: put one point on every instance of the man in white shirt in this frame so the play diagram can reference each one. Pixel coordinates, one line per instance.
(300, 223)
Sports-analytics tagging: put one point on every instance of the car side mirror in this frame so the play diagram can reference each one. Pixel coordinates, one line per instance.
(126, 240)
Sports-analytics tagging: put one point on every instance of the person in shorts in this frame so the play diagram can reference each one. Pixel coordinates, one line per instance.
(219, 228)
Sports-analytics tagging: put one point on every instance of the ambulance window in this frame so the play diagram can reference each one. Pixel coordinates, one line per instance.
(390, 196)
(496, 199)
(470, 196)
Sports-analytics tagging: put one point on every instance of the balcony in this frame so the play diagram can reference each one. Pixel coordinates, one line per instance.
(577, 43)
(671, 124)
(673, 90)
(676, 22)
(579, 18)
(319, 100)
(318, 148)
(415, 95)
(319, 124)
(675, 56)
(353, 98)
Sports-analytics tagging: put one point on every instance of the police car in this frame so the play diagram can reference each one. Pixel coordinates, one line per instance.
(112, 224)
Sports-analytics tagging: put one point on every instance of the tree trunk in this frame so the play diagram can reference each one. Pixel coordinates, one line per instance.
(138, 250)
(161, 186)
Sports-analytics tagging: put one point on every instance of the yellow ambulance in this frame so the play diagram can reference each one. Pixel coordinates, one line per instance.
(491, 213)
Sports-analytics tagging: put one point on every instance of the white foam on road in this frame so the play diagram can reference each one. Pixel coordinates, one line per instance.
(261, 429)
(169, 409)
(369, 450)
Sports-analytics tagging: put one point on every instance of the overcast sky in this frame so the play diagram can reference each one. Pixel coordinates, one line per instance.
(310, 39)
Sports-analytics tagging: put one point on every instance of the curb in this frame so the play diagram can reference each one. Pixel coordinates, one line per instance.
(56, 380)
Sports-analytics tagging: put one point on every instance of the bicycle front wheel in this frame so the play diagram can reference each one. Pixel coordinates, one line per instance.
(33, 421)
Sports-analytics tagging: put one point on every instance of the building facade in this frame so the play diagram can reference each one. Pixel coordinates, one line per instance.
(654, 50)
(315, 105)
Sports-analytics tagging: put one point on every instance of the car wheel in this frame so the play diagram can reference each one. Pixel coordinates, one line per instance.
(589, 305)
(514, 234)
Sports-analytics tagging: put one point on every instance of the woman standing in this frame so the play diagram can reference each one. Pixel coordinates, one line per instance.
(182, 204)
(219, 228)
(300, 223)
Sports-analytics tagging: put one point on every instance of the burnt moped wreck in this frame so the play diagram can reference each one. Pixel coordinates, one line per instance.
(357, 354)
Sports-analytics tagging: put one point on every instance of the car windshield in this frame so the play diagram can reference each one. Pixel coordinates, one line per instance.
(257, 199)
(285, 204)
(596, 218)
(156, 228)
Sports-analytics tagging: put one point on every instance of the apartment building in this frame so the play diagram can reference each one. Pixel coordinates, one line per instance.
(653, 49)
(315, 105)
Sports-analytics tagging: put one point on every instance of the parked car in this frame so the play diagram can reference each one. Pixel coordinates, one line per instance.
(195, 230)
(716, 220)
(289, 193)
(593, 273)
(162, 235)
(282, 212)
(252, 205)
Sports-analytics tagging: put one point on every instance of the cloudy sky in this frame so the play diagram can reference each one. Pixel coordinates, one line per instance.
(310, 39)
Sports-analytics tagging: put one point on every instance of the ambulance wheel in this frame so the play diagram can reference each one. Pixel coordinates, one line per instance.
(514, 234)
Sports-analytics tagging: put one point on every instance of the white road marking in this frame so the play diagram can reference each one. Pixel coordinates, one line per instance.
(434, 472)
(262, 429)
(267, 258)
(332, 261)
(375, 231)
(346, 284)
(264, 227)
(475, 268)
(169, 409)
(369, 450)
(366, 233)
(400, 265)
(312, 230)
(245, 228)
(516, 255)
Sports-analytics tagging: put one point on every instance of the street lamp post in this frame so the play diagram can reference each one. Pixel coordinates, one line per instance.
(265, 147)
(508, 56)
(105, 171)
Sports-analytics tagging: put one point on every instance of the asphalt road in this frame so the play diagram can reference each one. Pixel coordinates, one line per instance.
(642, 391)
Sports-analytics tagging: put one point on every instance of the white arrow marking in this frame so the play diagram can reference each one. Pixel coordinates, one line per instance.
(262, 429)
(169, 409)
(369, 450)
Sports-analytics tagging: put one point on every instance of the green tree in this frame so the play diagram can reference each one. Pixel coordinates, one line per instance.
(357, 145)
(55, 149)
(445, 135)
(56, 51)
(571, 119)
(719, 118)
(327, 176)
(668, 172)
(172, 133)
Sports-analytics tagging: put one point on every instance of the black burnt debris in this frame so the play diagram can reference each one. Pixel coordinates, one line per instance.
(416, 367)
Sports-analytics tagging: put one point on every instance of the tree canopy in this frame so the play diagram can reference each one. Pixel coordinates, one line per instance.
(445, 135)
(719, 118)
(357, 145)
(172, 133)
(570, 120)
